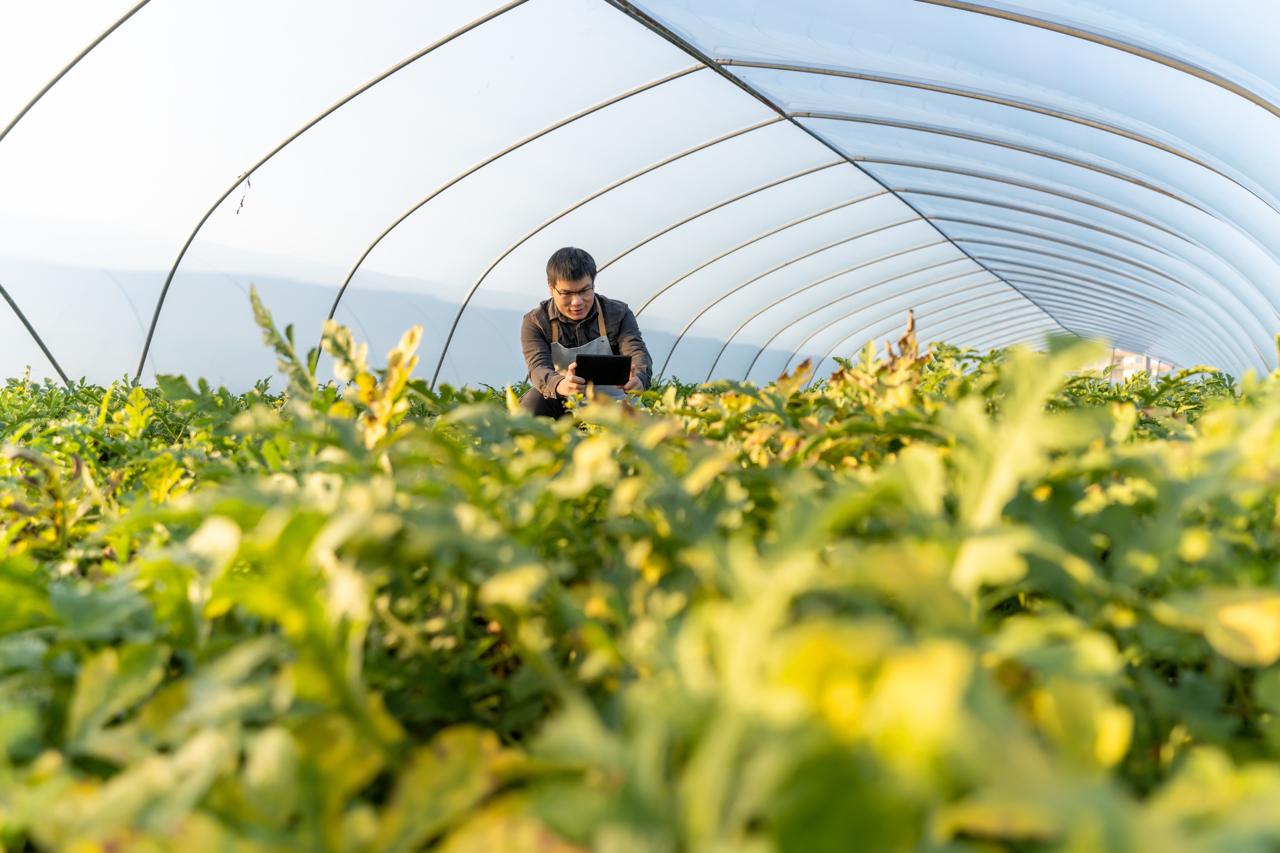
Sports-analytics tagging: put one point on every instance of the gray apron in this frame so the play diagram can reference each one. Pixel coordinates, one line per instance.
(562, 356)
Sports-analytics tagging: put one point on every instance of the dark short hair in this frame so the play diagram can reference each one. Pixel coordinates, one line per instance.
(570, 264)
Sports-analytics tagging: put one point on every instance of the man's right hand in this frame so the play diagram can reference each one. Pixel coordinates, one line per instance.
(571, 384)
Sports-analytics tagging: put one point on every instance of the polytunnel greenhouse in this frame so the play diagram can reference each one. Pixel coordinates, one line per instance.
(761, 182)
(912, 474)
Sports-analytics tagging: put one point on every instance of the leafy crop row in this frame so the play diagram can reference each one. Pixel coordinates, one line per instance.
(940, 602)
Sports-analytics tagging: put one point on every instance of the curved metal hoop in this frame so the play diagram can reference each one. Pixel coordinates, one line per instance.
(938, 130)
(1017, 268)
(961, 293)
(873, 286)
(67, 68)
(1117, 332)
(1058, 193)
(1029, 327)
(1027, 185)
(466, 173)
(1194, 329)
(328, 111)
(1080, 247)
(1046, 214)
(548, 223)
(809, 254)
(756, 239)
(1133, 48)
(803, 173)
(35, 336)
(1015, 312)
(1004, 226)
(1104, 268)
(646, 20)
(1243, 309)
(1013, 103)
(1082, 223)
(1019, 334)
(1010, 314)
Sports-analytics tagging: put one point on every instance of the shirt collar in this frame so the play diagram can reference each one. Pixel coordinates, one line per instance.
(554, 313)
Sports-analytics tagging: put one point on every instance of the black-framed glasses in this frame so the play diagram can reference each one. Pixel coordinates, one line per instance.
(569, 294)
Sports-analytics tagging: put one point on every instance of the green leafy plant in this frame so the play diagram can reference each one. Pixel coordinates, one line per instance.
(938, 600)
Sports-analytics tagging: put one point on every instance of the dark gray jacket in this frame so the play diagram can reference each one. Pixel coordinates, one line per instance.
(619, 323)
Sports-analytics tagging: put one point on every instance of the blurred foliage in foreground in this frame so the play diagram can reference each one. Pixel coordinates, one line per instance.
(941, 602)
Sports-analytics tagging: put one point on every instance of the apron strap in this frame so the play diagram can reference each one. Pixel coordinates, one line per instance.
(555, 330)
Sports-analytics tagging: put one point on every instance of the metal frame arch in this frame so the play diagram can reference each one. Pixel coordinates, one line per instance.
(1106, 299)
(808, 217)
(1045, 214)
(939, 130)
(1030, 326)
(1014, 321)
(1044, 189)
(1016, 337)
(842, 241)
(35, 336)
(868, 288)
(1050, 190)
(992, 141)
(1169, 296)
(444, 352)
(66, 69)
(873, 286)
(1090, 290)
(1226, 295)
(1050, 238)
(1085, 292)
(1019, 330)
(1073, 277)
(1012, 298)
(1007, 225)
(644, 19)
(803, 173)
(960, 322)
(493, 158)
(961, 294)
(1261, 194)
(328, 111)
(1056, 216)
(1145, 342)
(1081, 310)
(886, 322)
(1222, 327)
(886, 328)
(1131, 47)
(1084, 249)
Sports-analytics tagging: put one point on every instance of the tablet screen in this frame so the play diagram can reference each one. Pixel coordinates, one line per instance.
(604, 369)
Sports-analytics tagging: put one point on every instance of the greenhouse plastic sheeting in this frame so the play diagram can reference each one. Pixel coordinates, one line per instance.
(763, 182)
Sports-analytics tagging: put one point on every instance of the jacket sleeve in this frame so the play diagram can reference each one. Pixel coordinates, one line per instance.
(537, 358)
(630, 343)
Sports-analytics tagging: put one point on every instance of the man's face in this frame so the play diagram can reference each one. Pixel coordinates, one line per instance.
(573, 298)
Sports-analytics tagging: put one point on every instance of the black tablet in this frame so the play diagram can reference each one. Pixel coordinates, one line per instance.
(604, 369)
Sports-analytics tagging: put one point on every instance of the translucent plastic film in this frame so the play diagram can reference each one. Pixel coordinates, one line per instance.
(968, 101)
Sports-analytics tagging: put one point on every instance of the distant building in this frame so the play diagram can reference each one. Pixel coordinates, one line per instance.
(1122, 365)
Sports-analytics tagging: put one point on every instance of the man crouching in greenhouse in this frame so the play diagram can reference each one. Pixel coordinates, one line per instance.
(577, 321)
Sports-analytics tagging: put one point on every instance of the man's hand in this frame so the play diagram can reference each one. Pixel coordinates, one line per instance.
(633, 384)
(571, 384)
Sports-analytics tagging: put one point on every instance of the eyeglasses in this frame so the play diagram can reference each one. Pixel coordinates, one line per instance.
(569, 294)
